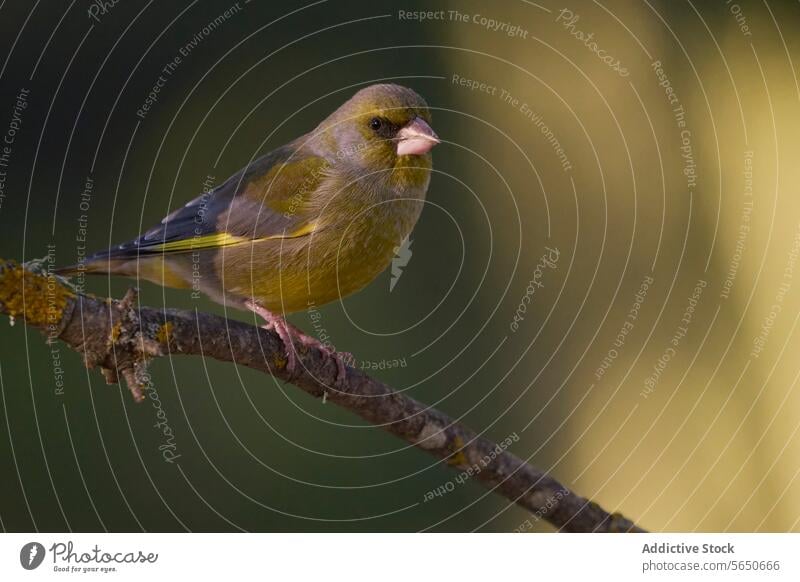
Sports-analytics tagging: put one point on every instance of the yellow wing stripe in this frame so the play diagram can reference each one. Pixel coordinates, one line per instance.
(304, 230)
(218, 239)
(224, 239)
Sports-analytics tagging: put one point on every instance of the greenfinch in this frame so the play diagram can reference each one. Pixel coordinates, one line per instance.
(308, 223)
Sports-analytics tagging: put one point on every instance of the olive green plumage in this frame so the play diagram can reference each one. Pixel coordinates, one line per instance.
(306, 224)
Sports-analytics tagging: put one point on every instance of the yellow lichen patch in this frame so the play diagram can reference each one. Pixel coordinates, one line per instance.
(116, 330)
(39, 299)
(279, 362)
(164, 333)
(458, 457)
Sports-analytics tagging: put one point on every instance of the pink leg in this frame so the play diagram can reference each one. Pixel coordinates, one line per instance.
(281, 327)
(286, 331)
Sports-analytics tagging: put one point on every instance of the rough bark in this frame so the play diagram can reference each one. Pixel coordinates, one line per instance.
(120, 337)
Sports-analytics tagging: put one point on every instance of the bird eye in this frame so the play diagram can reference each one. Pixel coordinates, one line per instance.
(375, 123)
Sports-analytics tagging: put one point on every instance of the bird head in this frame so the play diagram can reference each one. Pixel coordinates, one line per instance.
(382, 127)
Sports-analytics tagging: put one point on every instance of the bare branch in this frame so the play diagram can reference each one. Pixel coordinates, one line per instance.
(121, 338)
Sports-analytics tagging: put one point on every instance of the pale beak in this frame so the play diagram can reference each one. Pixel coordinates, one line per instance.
(416, 138)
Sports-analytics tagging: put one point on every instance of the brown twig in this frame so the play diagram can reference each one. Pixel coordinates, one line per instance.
(120, 338)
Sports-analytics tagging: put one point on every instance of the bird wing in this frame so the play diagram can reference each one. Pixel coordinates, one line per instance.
(268, 199)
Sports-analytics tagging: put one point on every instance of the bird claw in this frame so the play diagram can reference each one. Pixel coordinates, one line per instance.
(341, 358)
(282, 329)
(280, 326)
(287, 332)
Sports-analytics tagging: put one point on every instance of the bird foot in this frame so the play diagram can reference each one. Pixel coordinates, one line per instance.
(288, 332)
(279, 325)
(342, 358)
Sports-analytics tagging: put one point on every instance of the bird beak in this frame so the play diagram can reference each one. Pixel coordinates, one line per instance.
(416, 138)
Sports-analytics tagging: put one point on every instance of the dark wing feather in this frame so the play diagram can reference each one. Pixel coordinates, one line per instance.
(266, 199)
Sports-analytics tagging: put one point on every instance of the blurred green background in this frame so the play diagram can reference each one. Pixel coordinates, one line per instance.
(550, 148)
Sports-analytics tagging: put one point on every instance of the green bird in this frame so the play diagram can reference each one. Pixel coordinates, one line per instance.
(308, 223)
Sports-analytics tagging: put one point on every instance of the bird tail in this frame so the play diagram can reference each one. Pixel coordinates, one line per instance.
(72, 270)
(126, 264)
(98, 264)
